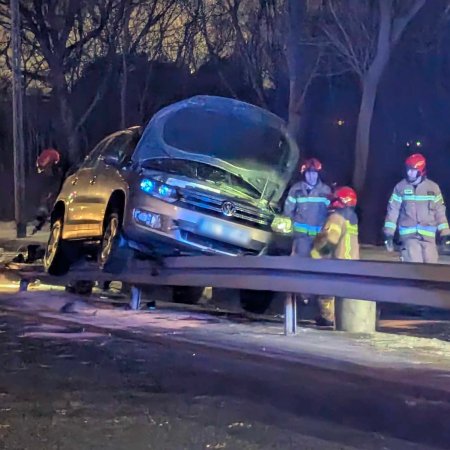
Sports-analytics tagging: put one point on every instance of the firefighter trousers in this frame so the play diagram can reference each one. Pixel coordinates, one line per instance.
(323, 307)
(302, 245)
(417, 249)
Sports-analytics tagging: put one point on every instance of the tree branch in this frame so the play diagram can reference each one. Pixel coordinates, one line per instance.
(98, 96)
(401, 23)
(104, 17)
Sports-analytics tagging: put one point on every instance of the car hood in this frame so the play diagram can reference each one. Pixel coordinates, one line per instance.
(243, 139)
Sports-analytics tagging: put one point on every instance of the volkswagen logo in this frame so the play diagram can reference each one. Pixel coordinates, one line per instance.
(228, 209)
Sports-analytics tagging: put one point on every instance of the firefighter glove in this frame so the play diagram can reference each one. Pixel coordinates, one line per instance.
(389, 243)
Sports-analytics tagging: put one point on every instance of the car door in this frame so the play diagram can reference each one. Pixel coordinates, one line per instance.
(106, 179)
(79, 221)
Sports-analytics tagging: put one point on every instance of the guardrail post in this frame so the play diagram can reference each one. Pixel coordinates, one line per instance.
(135, 301)
(355, 316)
(23, 285)
(290, 315)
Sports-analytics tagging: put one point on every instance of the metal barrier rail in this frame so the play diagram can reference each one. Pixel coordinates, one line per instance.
(401, 283)
(404, 283)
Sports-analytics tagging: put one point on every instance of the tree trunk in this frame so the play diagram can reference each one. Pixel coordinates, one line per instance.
(302, 64)
(67, 118)
(123, 92)
(125, 53)
(370, 82)
(362, 146)
(295, 120)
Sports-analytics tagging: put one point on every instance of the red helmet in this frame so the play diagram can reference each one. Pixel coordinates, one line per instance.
(343, 197)
(47, 158)
(311, 164)
(418, 162)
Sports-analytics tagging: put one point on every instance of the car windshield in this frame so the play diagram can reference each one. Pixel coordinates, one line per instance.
(202, 172)
(233, 138)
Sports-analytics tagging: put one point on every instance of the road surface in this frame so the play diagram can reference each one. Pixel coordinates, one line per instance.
(66, 386)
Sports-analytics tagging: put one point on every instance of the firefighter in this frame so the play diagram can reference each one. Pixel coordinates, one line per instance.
(416, 208)
(306, 205)
(49, 166)
(338, 239)
(47, 159)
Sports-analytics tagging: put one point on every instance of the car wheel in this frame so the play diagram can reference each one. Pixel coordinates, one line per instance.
(112, 256)
(59, 254)
(189, 295)
(255, 302)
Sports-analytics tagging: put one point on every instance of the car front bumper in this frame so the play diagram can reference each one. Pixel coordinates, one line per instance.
(150, 223)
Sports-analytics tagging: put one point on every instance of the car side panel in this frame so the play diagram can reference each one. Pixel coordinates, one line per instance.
(107, 180)
(78, 221)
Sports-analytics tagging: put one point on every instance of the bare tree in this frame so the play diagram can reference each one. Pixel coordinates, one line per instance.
(304, 51)
(247, 21)
(147, 28)
(126, 43)
(363, 35)
(235, 30)
(277, 36)
(60, 35)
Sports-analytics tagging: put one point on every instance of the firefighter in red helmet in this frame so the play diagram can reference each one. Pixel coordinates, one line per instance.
(416, 209)
(306, 205)
(47, 159)
(50, 168)
(337, 239)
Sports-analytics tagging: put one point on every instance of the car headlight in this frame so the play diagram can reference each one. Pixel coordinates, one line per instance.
(282, 224)
(148, 186)
(159, 190)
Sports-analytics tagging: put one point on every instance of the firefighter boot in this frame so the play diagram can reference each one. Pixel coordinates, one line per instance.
(326, 312)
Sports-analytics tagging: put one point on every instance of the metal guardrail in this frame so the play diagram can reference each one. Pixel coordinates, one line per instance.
(402, 283)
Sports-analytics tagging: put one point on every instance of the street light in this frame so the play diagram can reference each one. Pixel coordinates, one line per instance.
(19, 159)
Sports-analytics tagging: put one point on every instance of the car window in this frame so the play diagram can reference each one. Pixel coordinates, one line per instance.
(92, 157)
(117, 145)
(122, 145)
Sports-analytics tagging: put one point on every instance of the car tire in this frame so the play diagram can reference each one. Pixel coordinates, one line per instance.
(113, 254)
(256, 302)
(189, 295)
(59, 253)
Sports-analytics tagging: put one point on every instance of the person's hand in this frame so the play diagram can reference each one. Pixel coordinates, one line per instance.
(282, 224)
(389, 243)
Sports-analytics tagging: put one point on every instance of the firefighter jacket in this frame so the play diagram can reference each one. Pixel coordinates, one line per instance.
(416, 211)
(308, 210)
(339, 236)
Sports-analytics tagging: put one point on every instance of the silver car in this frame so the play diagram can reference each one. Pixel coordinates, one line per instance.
(205, 176)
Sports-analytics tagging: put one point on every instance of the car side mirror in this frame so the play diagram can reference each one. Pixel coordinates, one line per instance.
(112, 160)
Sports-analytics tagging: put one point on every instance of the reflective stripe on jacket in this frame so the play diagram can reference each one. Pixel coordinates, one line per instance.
(308, 210)
(339, 236)
(416, 210)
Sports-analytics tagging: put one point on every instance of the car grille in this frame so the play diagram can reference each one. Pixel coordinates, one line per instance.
(199, 201)
(214, 245)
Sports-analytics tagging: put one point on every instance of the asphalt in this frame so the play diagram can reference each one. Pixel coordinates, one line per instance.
(99, 377)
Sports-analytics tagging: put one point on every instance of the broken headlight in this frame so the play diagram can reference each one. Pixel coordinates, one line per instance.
(159, 190)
